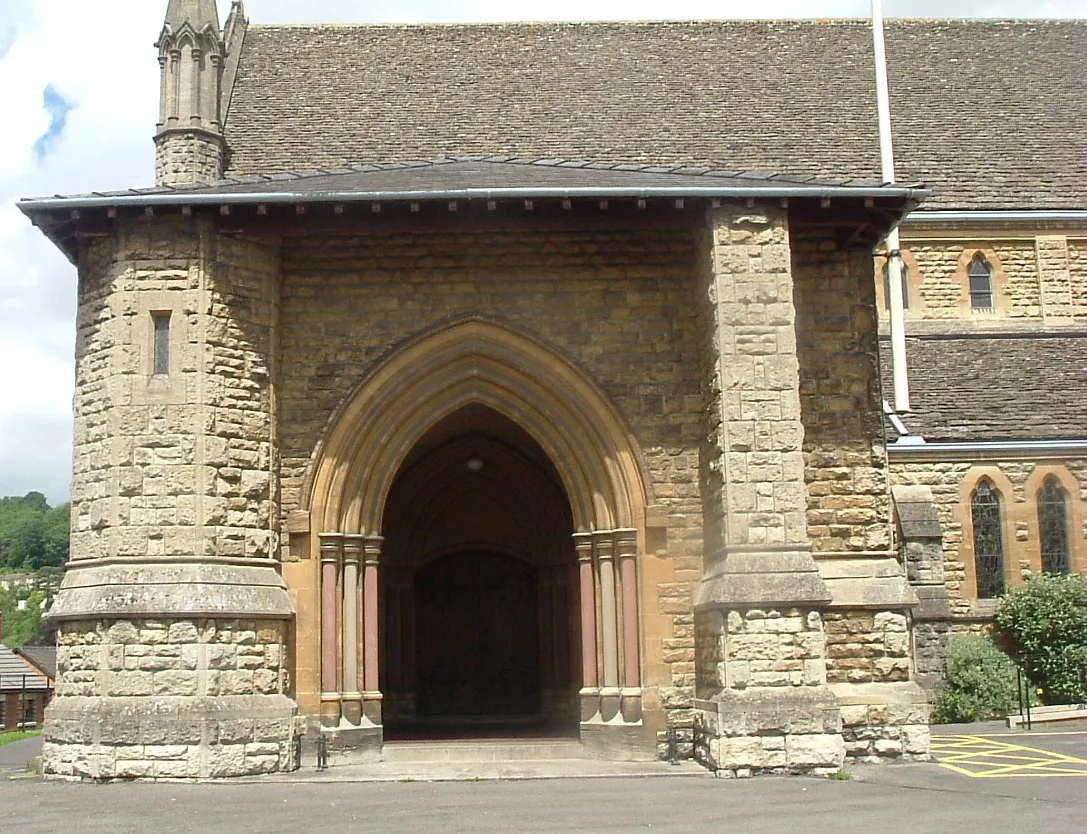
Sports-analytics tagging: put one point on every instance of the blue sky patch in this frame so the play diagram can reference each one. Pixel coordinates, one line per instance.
(7, 40)
(58, 109)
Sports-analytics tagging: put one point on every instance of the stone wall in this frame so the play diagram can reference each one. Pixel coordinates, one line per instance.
(145, 667)
(1017, 480)
(940, 287)
(175, 464)
(174, 507)
(845, 460)
(185, 157)
(1077, 274)
(619, 304)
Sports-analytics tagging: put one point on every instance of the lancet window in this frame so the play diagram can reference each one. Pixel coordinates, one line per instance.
(1053, 527)
(988, 541)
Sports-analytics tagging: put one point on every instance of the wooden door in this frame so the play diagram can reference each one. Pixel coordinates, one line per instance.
(477, 636)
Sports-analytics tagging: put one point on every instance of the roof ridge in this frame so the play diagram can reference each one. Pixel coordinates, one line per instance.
(703, 21)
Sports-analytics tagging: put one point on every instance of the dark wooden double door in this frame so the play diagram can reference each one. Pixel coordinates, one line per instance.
(477, 632)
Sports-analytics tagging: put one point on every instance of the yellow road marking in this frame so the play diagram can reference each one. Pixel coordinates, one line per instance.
(983, 757)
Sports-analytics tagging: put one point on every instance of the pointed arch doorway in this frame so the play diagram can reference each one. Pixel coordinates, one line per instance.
(480, 621)
(481, 476)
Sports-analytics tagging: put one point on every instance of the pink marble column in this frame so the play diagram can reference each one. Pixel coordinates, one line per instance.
(331, 556)
(372, 692)
(590, 680)
(627, 545)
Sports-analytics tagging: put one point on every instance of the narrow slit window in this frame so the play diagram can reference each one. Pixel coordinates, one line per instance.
(905, 287)
(981, 284)
(1053, 528)
(988, 541)
(162, 343)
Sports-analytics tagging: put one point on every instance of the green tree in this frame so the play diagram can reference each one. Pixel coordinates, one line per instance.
(981, 682)
(1043, 626)
(33, 535)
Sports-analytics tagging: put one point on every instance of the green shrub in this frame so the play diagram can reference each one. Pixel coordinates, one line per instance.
(980, 683)
(1043, 627)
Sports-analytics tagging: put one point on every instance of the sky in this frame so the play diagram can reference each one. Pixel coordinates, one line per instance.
(79, 90)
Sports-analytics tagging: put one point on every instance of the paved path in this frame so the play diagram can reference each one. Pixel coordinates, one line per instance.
(752, 806)
(14, 756)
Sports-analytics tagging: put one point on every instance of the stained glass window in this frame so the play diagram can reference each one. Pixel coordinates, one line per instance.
(981, 284)
(905, 287)
(988, 541)
(1053, 527)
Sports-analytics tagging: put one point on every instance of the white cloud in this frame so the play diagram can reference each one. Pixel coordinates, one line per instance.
(99, 58)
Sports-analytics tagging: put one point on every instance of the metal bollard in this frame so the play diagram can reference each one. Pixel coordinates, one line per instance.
(673, 746)
(322, 752)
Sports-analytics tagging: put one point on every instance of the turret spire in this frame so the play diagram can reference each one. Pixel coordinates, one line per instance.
(190, 145)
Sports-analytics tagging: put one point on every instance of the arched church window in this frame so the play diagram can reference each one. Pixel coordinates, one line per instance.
(988, 541)
(1053, 527)
(981, 283)
(905, 287)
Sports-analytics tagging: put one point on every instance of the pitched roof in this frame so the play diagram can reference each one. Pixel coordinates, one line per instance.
(16, 674)
(42, 657)
(995, 387)
(503, 177)
(991, 114)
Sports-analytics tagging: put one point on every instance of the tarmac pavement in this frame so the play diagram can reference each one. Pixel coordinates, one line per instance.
(532, 797)
(752, 806)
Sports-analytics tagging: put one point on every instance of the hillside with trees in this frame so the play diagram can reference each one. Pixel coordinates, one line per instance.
(33, 535)
(33, 551)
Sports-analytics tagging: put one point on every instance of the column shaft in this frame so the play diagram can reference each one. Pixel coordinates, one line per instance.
(628, 547)
(331, 555)
(604, 546)
(589, 678)
(352, 556)
(370, 619)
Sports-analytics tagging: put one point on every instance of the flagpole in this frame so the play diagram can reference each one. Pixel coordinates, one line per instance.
(895, 299)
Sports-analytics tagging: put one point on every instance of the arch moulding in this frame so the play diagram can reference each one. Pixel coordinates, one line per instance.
(468, 362)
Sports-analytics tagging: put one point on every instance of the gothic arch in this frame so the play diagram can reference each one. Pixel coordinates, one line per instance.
(476, 361)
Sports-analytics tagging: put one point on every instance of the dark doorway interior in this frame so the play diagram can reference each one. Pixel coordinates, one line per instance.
(479, 597)
(477, 627)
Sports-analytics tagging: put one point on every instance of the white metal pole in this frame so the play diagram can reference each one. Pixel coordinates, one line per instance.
(899, 371)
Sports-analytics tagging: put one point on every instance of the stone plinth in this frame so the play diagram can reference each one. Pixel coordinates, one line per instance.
(190, 681)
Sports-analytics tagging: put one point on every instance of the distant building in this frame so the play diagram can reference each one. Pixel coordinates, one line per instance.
(25, 690)
(527, 378)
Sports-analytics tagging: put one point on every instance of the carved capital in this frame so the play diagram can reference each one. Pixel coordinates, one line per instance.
(331, 547)
(353, 547)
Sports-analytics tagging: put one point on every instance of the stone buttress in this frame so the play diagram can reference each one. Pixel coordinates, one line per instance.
(779, 585)
(174, 625)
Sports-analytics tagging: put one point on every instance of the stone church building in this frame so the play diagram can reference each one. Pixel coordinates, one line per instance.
(525, 381)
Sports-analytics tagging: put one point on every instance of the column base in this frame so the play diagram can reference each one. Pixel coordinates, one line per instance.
(770, 730)
(372, 709)
(618, 742)
(352, 745)
(171, 737)
(331, 710)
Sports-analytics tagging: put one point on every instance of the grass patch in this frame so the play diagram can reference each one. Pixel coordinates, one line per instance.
(17, 735)
(840, 775)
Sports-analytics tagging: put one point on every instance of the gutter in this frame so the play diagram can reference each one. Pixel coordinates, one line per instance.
(180, 198)
(918, 445)
(1043, 215)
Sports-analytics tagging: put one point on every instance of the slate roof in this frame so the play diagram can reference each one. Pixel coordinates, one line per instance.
(991, 114)
(505, 176)
(996, 387)
(12, 671)
(44, 657)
